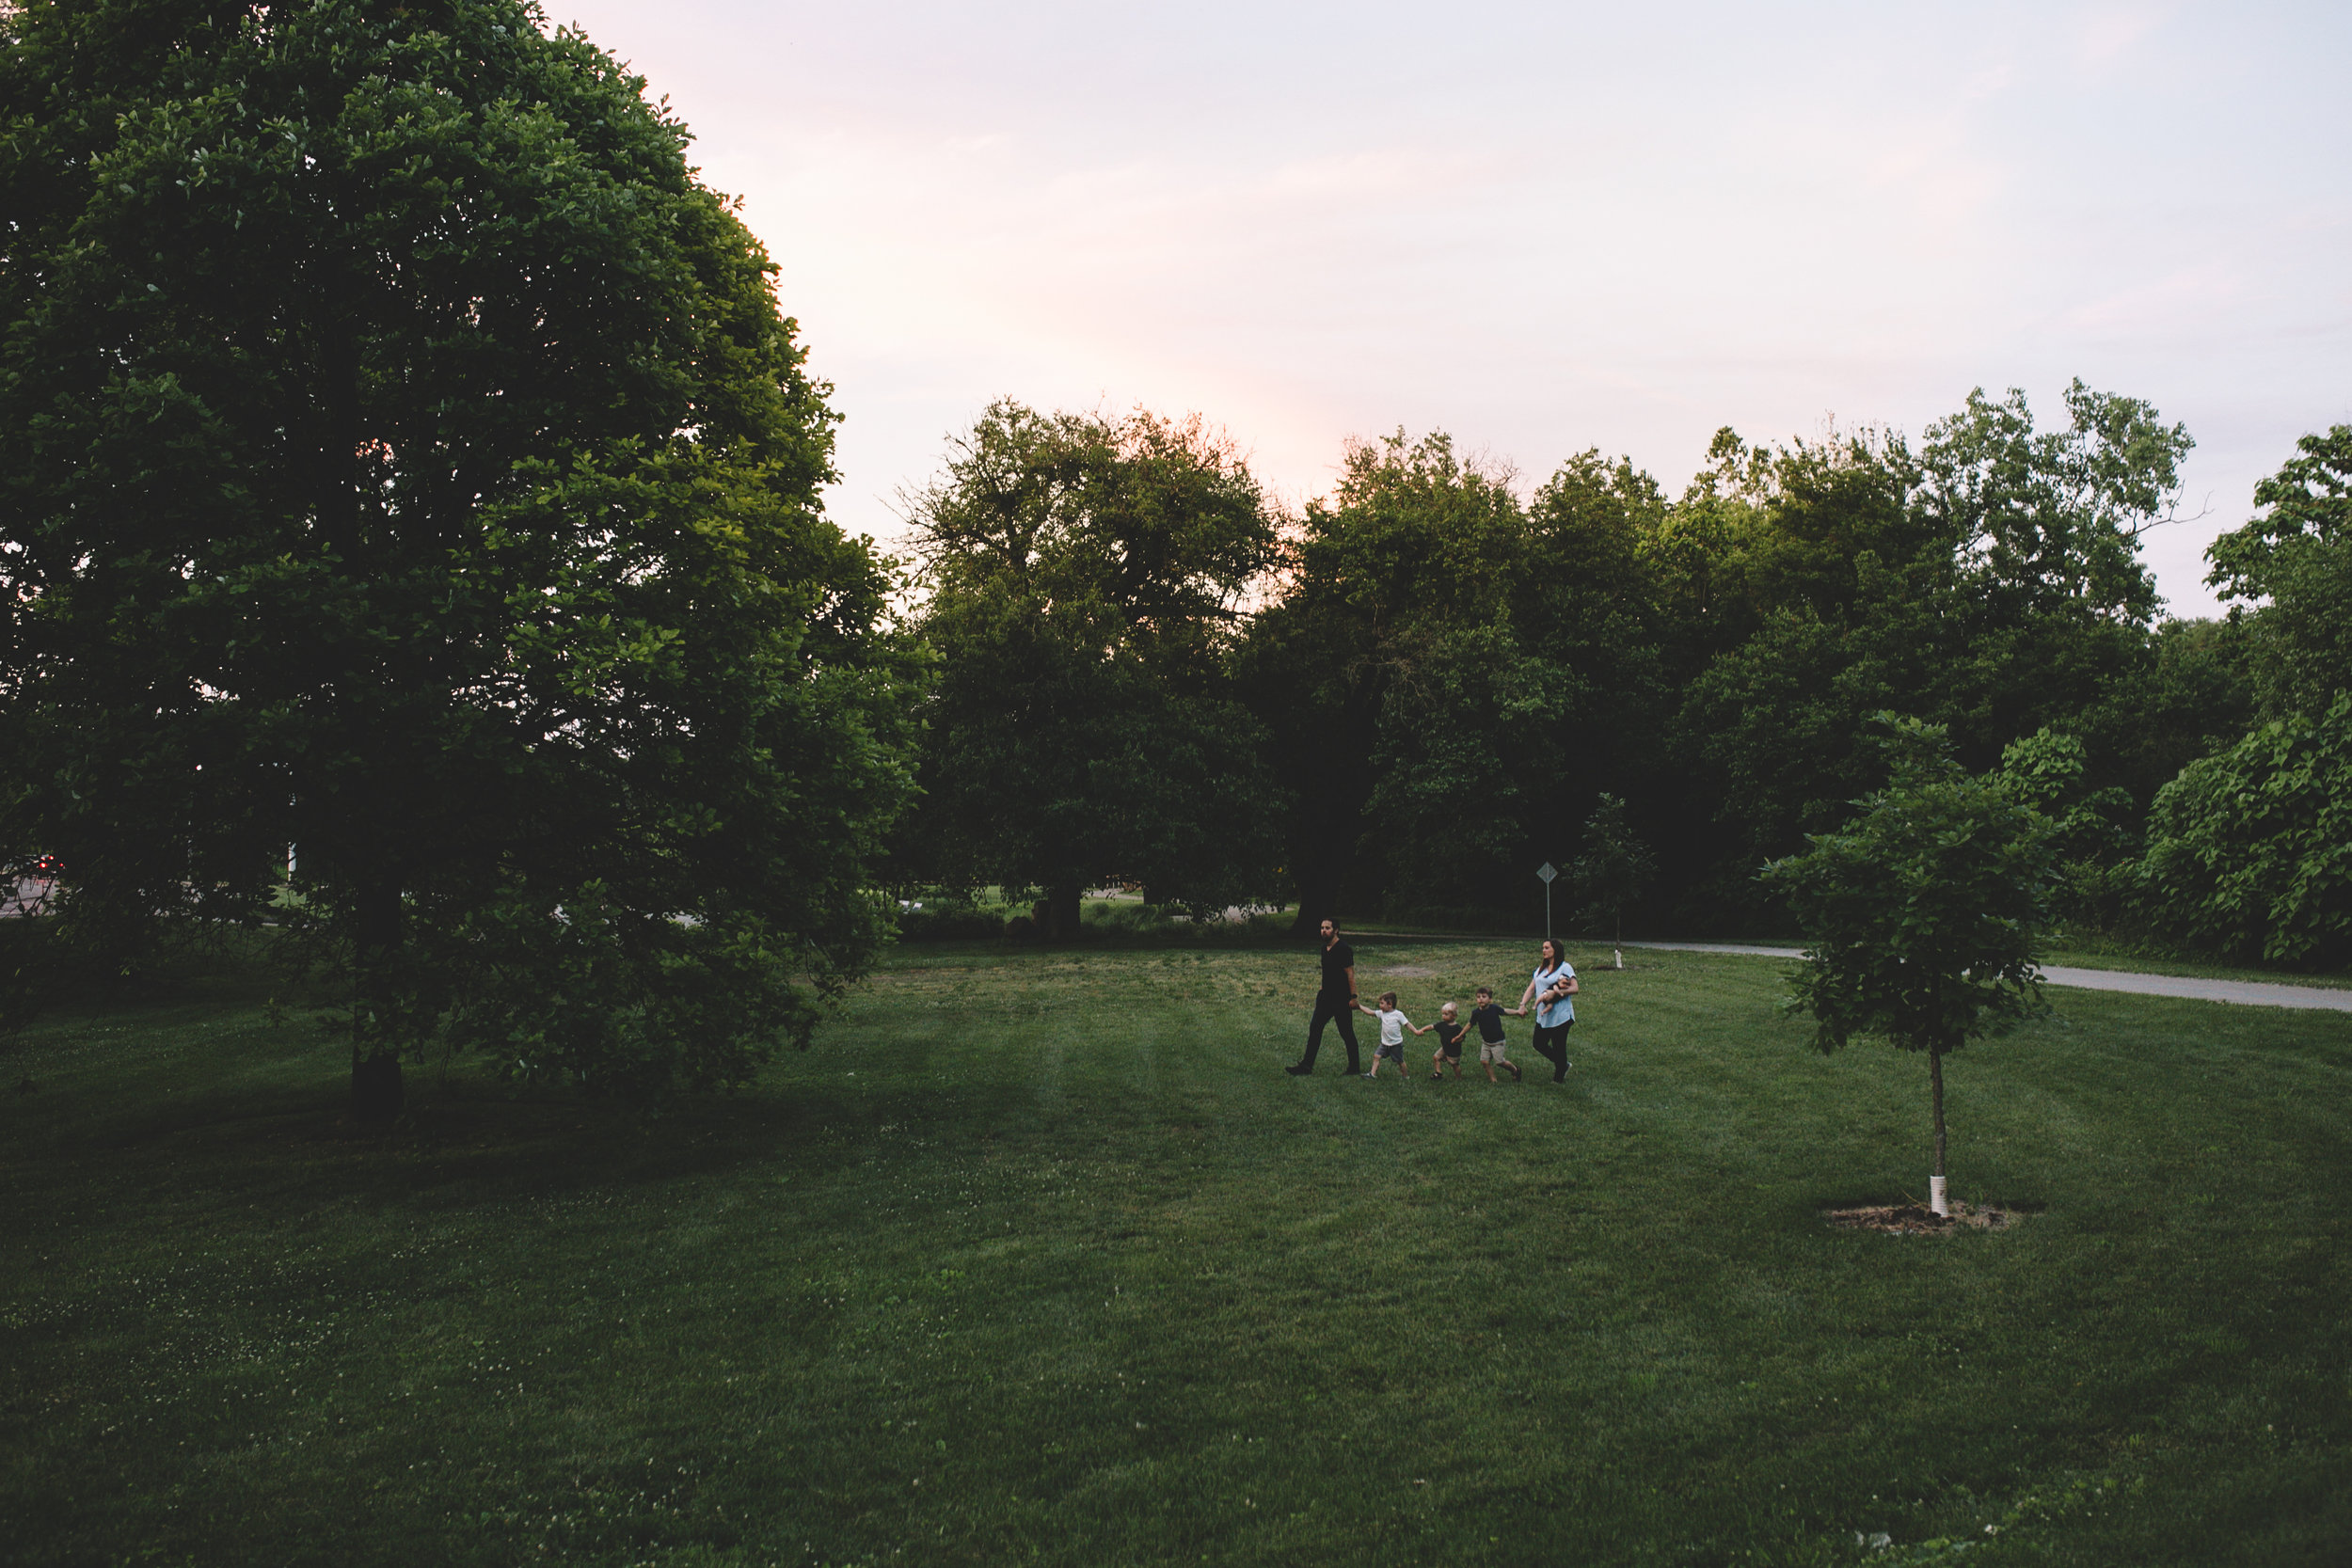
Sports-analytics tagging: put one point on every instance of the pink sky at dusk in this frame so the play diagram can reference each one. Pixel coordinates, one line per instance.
(1541, 229)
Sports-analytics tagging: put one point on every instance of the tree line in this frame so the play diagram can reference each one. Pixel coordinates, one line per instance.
(1401, 699)
(409, 464)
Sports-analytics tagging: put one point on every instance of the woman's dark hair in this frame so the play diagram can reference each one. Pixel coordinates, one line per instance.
(1559, 954)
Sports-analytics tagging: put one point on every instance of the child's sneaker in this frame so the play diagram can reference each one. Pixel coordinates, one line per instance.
(1516, 1074)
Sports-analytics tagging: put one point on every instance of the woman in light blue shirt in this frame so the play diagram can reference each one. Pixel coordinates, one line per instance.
(1553, 990)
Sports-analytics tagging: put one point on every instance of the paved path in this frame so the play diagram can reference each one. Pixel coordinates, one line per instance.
(22, 895)
(2258, 993)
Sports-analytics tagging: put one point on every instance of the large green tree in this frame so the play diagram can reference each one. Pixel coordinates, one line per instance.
(2298, 555)
(408, 461)
(1989, 579)
(2250, 850)
(1084, 582)
(1826, 590)
(1452, 673)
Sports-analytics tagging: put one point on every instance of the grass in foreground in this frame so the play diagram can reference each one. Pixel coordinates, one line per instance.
(1039, 1256)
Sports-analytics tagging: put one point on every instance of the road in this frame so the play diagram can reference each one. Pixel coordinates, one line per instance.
(22, 895)
(2252, 993)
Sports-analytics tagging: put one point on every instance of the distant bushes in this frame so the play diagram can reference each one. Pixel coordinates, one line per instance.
(1117, 923)
(1462, 917)
(1130, 920)
(2249, 851)
(951, 922)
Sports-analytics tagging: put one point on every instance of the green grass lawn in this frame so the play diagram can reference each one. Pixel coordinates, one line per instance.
(1039, 1256)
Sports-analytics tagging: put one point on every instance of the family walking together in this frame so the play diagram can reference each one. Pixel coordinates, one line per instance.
(1551, 991)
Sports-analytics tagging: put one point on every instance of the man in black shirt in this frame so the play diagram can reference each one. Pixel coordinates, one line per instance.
(1334, 1003)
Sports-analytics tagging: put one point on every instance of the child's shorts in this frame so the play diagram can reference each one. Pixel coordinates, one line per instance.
(1393, 1052)
(1451, 1052)
(1491, 1050)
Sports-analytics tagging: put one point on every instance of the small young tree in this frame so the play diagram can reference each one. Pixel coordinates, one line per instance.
(1614, 870)
(1924, 914)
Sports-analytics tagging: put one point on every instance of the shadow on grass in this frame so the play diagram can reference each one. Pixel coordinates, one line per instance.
(254, 1133)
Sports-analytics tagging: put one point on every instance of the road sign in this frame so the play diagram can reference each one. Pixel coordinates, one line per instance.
(1547, 871)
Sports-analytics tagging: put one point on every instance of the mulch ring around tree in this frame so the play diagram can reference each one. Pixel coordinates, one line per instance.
(1917, 1219)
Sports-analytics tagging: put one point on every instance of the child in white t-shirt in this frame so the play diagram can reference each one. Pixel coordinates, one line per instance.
(1392, 1027)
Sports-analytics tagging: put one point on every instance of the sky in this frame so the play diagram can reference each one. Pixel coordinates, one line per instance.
(1538, 228)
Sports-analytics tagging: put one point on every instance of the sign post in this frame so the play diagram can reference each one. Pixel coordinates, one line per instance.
(1547, 872)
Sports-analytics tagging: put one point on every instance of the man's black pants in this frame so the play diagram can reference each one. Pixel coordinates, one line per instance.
(1332, 1009)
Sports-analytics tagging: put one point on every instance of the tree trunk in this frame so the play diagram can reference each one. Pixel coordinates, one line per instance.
(376, 1091)
(1318, 882)
(376, 1083)
(1062, 913)
(1337, 789)
(1936, 1199)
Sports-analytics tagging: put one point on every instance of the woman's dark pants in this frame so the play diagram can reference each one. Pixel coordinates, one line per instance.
(1551, 1044)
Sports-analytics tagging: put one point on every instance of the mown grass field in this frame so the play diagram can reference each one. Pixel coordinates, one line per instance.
(1039, 1258)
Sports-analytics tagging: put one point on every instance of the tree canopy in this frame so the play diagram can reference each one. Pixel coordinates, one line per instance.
(410, 464)
(2250, 850)
(1454, 669)
(2298, 556)
(1922, 914)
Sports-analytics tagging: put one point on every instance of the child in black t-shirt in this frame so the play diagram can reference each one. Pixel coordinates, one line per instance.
(1449, 1042)
(1487, 1016)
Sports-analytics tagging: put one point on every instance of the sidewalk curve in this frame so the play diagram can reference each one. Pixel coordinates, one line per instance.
(2257, 994)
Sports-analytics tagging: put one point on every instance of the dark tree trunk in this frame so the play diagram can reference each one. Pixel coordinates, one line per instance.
(376, 1090)
(1319, 877)
(1336, 784)
(1062, 913)
(339, 479)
